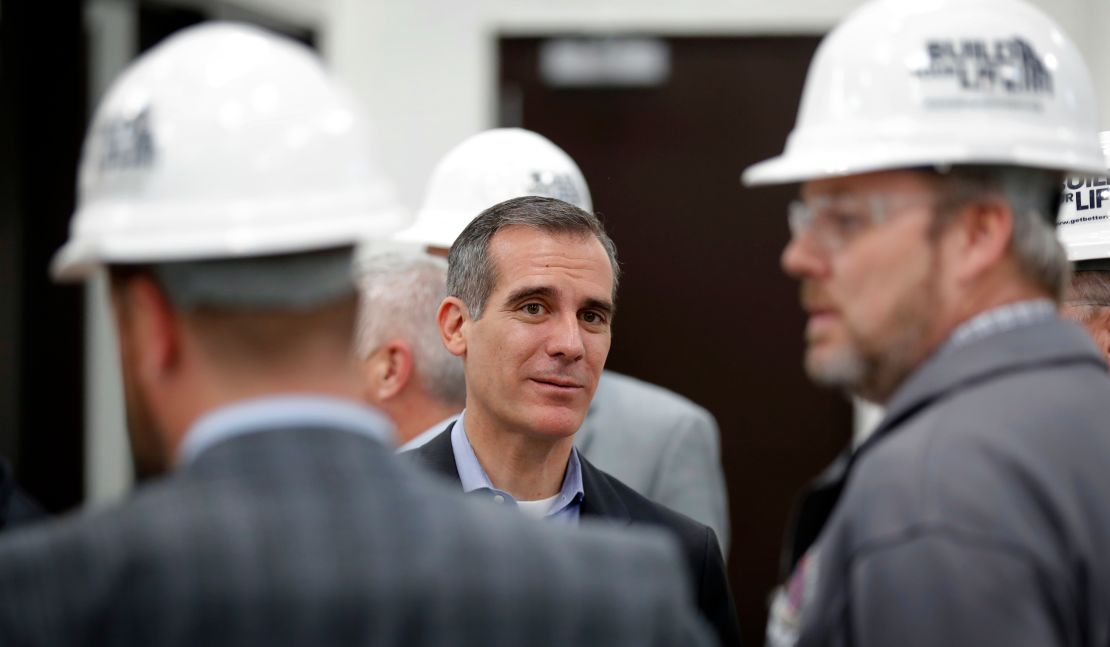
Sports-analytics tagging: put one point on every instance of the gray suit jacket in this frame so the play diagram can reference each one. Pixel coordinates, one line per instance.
(976, 514)
(660, 444)
(320, 537)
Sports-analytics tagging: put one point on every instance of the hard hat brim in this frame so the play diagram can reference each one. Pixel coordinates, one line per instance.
(83, 255)
(433, 228)
(802, 166)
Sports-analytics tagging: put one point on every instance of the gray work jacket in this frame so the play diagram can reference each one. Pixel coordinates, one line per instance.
(977, 514)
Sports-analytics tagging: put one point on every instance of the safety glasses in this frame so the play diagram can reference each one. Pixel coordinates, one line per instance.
(834, 221)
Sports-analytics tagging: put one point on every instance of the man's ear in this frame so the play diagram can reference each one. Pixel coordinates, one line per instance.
(145, 315)
(453, 319)
(980, 234)
(388, 370)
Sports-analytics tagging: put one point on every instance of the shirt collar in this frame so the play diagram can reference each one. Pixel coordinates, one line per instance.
(1000, 319)
(282, 412)
(475, 479)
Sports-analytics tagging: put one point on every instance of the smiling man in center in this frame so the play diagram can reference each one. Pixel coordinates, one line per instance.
(532, 286)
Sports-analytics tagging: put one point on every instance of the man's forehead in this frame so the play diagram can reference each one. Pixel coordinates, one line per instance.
(518, 245)
(899, 180)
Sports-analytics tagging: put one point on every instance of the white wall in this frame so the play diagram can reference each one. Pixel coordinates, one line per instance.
(112, 27)
(426, 69)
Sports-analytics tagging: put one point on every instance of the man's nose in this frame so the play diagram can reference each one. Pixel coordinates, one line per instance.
(803, 257)
(566, 339)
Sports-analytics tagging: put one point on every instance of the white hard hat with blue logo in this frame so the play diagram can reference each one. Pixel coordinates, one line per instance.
(937, 83)
(225, 141)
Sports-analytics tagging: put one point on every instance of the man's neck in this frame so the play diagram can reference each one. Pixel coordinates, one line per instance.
(414, 417)
(529, 467)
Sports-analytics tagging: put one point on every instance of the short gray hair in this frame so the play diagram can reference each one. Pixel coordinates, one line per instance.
(471, 275)
(295, 281)
(1034, 199)
(399, 295)
(1090, 288)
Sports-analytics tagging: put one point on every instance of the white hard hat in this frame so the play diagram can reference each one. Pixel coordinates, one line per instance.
(224, 141)
(1083, 225)
(488, 168)
(904, 84)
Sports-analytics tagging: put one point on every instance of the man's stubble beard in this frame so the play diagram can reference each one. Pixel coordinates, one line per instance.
(874, 368)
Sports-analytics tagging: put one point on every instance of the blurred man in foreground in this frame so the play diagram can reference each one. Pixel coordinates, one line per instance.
(224, 184)
(930, 271)
(1084, 230)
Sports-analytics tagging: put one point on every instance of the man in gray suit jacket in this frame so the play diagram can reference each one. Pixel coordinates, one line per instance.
(660, 444)
(925, 247)
(275, 512)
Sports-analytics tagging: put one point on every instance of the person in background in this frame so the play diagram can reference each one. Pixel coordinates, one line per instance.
(1084, 229)
(225, 182)
(924, 244)
(408, 373)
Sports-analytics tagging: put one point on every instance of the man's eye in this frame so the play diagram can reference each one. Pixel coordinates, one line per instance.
(846, 222)
(592, 317)
(533, 308)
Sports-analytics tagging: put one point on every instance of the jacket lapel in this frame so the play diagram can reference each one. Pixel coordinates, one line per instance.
(438, 455)
(600, 497)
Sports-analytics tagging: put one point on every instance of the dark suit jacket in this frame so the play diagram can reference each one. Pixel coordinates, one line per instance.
(608, 499)
(320, 536)
(15, 506)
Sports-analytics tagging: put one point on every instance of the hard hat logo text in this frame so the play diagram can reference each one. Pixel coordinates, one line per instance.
(126, 142)
(553, 185)
(1083, 194)
(1009, 67)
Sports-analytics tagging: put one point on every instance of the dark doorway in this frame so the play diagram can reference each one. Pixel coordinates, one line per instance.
(704, 308)
(42, 74)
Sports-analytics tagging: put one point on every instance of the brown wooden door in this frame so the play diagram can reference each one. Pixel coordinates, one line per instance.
(704, 308)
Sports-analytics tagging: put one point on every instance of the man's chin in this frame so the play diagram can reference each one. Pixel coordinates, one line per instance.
(835, 367)
(556, 422)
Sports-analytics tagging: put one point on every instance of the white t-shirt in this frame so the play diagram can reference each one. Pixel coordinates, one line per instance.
(537, 509)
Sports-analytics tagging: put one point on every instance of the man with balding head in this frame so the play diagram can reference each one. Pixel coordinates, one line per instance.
(408, 373)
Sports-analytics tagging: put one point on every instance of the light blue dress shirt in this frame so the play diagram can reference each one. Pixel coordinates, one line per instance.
(565, 509)
(294, 410)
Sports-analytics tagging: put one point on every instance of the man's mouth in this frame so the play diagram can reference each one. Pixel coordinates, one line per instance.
(558, 382)
(820, 312)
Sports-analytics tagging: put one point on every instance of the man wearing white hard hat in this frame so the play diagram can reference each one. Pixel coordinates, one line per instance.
(1084, 230)
(224, 183)
(930, 145)
(655, 441)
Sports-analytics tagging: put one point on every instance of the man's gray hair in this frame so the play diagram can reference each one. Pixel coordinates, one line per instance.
(471, 275)
(296, 281)
(1090, 289)
(399, 295)
(1034, 198)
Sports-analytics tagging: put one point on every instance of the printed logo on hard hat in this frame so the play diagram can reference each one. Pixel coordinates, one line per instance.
(1085, 199)
(553, 185)
(1001, 73)
(126, 142)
